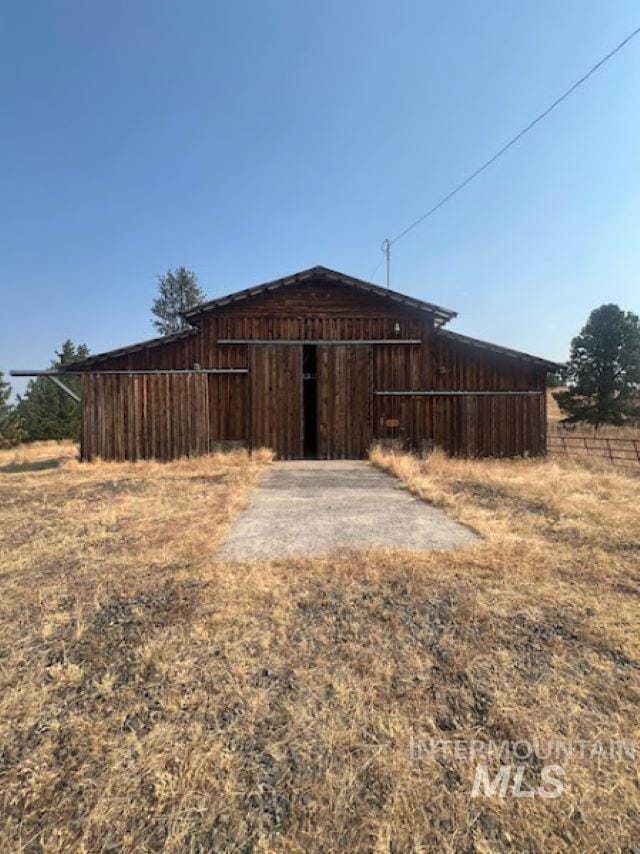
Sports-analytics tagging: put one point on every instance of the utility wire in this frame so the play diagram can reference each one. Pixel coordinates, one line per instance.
(513, 141)
(375, 269)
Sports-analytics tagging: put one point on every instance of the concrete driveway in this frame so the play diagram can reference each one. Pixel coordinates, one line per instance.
(315, 507)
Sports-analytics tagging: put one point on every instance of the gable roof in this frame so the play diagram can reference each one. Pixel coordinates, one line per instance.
(440, 315)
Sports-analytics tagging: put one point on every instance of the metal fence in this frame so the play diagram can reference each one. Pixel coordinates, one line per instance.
(617, 451)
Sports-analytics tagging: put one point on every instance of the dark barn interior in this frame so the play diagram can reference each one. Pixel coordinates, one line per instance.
(317, 364)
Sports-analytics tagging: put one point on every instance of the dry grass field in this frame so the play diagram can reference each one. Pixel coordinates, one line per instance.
(619, 445)
(607, 431)
(154, 698)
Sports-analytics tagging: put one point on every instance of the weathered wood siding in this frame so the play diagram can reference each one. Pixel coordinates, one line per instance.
(134, 420)
(143, 417)
(499, 426)
(462, 426)
(275, 375)
(344, 401)
(229, 408)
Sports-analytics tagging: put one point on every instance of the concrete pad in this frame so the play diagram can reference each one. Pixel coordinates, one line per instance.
(315, 507)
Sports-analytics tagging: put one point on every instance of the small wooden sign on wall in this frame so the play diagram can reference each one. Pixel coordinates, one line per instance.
(392, 422)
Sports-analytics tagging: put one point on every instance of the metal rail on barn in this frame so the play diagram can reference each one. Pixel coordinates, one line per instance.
(54, 375)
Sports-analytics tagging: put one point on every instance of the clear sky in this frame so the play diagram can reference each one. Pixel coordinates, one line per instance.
(250, 140)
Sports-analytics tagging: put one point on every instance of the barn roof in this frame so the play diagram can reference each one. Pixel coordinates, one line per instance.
(131, 348)
(496, 348)
(441, 315)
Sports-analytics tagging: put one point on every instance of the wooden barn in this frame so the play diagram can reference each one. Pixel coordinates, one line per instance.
(317, 364)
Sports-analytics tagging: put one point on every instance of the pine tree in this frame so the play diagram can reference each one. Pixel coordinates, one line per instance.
(178, 291)
(45, 411)
(10, 431)
(604, 369)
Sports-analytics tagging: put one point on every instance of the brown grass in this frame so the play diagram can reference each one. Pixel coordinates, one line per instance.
(153, 698)
(36, 456)
(554, 413)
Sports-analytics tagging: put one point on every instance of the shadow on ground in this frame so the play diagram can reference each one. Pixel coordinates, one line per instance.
(34, 465)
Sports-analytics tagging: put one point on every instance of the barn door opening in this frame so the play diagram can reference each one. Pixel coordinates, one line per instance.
(309, 401)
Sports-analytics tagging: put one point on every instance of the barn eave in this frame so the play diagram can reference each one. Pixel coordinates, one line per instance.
(487, 346)
(90, 361)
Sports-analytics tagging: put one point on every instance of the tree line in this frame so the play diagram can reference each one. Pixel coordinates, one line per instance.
(599, 385)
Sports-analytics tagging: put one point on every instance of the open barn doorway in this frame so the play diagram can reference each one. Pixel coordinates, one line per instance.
(309, 402)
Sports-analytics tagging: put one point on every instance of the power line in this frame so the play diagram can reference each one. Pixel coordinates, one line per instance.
(376, 268)
(511, 142)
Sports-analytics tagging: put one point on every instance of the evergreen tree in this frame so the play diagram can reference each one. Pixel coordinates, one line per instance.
(10, 432)
(604, 370)
(178, 291)
(45, 411)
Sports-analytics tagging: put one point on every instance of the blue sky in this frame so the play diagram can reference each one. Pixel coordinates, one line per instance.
(250, 140)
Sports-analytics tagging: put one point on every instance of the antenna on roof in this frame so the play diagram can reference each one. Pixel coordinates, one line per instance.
(386, 248)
